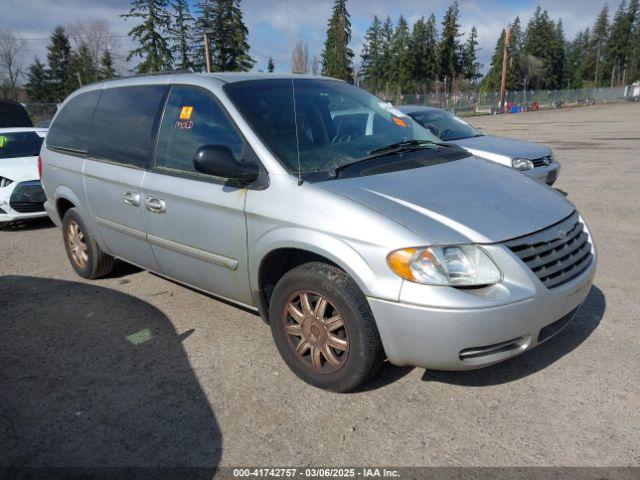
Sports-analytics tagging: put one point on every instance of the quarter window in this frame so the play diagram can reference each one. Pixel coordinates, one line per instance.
(193, 118)
(123, 124)
(70, 129)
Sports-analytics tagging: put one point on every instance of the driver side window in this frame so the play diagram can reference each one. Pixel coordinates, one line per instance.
(193, 118)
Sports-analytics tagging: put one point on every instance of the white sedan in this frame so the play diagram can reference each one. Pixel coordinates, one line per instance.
(21, 194)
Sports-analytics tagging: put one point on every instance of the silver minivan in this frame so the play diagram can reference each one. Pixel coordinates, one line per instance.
(355, 245)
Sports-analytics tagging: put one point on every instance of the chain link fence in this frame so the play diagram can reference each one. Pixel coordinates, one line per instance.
(475, 102)
(41, 112)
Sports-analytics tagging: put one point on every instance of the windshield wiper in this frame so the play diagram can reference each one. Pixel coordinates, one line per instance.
(405, 145)
(398, 147)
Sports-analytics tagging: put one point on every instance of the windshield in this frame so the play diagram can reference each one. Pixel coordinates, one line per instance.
(337, 123)
(445, 125)
(20, 144)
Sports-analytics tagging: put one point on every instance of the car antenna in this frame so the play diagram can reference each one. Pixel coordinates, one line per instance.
(293, 94)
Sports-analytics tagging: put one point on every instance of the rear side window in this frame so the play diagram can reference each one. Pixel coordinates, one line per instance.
(123, 123)
(70, 129)
(193, 118)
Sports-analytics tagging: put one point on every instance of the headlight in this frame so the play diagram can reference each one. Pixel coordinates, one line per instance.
(454, 265)
(522, 164)
(4, 182)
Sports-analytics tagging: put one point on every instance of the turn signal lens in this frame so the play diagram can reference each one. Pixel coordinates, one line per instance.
(40, 166)
(454, 265)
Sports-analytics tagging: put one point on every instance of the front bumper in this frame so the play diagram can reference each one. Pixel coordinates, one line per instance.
(470, 338)
(21, 201)
(547, 174)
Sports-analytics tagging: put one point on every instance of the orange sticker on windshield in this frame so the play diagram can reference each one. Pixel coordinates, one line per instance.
(185, 113)
(400, 122)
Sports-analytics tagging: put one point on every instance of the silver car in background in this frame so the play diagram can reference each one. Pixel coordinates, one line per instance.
(536, 161)
(355, 241)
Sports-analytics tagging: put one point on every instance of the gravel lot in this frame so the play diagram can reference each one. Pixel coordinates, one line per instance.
(135, 370)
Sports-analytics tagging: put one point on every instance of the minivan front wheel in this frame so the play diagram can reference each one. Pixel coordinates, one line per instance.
(323, 327)
(85, 255)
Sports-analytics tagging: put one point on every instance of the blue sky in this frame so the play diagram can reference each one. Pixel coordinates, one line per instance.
(275, 25)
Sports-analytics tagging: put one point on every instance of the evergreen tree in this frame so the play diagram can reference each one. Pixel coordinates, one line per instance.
(576, 59)
(634, 55)
(107, 70)
(470, 65)
(270, 66)
(229, 47)
(59, 72)
(387, 56)
(618, 46)
(372, 68)
(337, 56)
(402, 63)
(152, 34)
(449, 49)
(182, 32)
(594, 57)
(38, 87)
(424, 45)
(558, 56)
(540, 41)
(83, 68)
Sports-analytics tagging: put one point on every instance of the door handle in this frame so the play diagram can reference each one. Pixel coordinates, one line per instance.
(155, 205)
(131, 198)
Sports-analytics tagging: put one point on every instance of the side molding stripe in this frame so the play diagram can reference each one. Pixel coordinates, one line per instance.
(205, 256)
(118, 227)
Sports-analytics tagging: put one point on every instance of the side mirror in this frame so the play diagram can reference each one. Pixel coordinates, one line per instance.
(217, 160)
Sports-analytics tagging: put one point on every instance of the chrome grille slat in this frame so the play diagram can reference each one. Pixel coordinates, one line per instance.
(539, 250)
(547, 271)
(566, 249)
(557, 254)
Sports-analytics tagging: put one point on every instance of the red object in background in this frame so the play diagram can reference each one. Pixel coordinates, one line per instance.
(40, 167)
(536, 106)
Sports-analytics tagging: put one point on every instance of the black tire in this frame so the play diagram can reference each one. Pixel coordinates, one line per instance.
(364, 355)
(97, 263)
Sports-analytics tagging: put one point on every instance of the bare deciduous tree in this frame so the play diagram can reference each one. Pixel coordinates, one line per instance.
(300, 58)
(12, 50)
(315, 65)
(97, 35)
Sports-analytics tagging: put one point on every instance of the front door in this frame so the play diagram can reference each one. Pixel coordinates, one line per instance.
(196, 223)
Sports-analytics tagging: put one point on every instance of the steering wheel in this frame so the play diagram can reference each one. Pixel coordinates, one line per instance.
(445, 133)
(348, 134)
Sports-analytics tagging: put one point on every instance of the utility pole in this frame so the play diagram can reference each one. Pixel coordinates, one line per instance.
(207, 30)
(505, 59)
(207, 54)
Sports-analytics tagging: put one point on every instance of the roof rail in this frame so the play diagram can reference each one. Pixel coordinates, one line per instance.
(150, 74)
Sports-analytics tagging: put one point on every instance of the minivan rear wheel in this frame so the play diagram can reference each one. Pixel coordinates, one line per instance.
(323, 327)
(85, 256)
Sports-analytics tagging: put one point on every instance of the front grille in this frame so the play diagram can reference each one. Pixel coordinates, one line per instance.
(557, 254)
(28, 197)
(541, 162)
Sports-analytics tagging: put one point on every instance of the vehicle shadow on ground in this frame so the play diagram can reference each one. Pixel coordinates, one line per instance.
(92, 377)
(24, 225)
(585, 322)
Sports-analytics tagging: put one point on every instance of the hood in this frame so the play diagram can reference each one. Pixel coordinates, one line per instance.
(508, 147)
(468, 200)
(19, 169)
